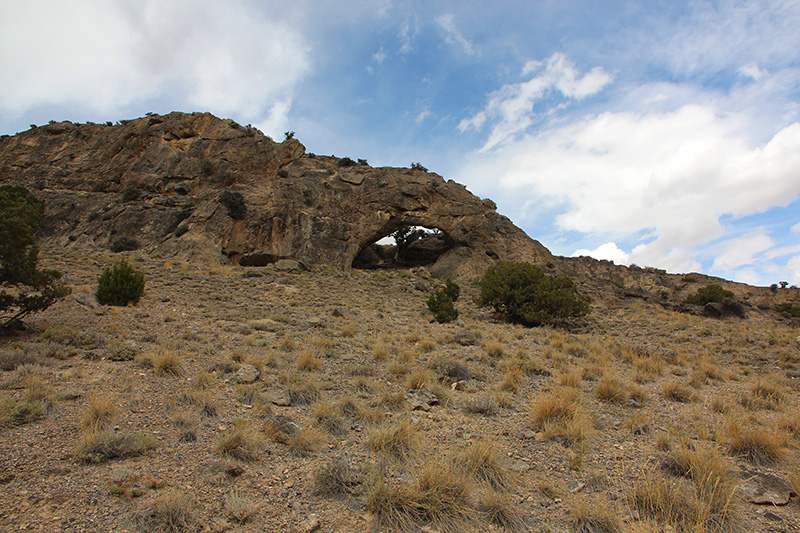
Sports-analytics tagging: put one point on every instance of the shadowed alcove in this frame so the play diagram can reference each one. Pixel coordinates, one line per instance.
(405, 247)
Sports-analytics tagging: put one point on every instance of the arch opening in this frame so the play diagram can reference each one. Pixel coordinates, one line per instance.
(406, 247)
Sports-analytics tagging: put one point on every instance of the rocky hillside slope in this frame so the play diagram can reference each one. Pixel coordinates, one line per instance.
(158, 181)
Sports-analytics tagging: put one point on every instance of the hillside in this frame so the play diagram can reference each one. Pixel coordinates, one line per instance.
(157, 181)
(249, 399)
(283, 373)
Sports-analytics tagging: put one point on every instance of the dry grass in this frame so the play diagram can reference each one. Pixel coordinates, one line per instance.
(97, 445)
(101, 411)
(420, 378)
(241, 442)
(171, 512)
(494, 348)
(436, 494)
(482, 460)
(396, 438)
(328, 416)
(336, 477)
(752, 441)
(239, 509)
(610, 389)
(678, 392)
(596, 516)
(163, 362)
(560, 412)
(308, 360)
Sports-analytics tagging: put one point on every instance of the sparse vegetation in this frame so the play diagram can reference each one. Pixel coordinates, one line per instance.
(120, 285)
(24, 288)
(524, 294)
(234, 203)
(710, 293)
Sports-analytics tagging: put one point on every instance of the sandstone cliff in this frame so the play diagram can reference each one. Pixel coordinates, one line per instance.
(158, 180)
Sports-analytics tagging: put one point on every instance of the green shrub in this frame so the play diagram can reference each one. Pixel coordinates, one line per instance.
(452, 289)
(234, 202)
(346, 162)
(524, 294)
(119, 285)
(441, 302)
(24, 289)
(124, 244)
(710, 293)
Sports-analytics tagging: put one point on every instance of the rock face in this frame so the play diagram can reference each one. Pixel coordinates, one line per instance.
(311, 209)
(158, 181)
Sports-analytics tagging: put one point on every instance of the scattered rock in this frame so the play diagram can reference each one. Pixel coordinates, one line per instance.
(421, 399)
(315, 322)
(247, 374)
(527, 434)
(762, 488)
(342, 312)
(422, 285)
(465, 337)
(266, 324)
(520, 466)
(458, 385)
(287, 265)
(281, 399)
(311, 524)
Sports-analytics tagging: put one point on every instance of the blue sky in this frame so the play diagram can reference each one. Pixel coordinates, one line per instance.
(660, 133)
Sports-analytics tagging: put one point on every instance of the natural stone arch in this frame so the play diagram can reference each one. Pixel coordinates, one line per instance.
(423, 251)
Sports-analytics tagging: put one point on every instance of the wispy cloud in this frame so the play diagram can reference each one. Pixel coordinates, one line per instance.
(511, 109)
(454, 36)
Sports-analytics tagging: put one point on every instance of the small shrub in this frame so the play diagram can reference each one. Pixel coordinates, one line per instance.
(234, 202)
(120, 285)
(15, 412)
(788, 309)
(124, 244)
(710, 293)
(418, 166)
(524, 294)
(482, 405)
(441, 303)
(346, 162)
(239, 509)
(98, 445)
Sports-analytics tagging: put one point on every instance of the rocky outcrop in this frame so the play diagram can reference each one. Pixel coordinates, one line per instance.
(158, 180)
(313, 209)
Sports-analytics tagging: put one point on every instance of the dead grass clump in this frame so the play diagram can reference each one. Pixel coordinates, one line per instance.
(101, 411)
(482, 404)
(678, 392)
(572, 377)
(241, 442)
(396, 438)
(238, 508)
(99, 445)
(595, 516)
(304, 442)
(170, 512)
(427, 345)
(494, 348)
(205, 400)
(559, 412)
(436, 494)
(512, 378)
(164, 362)
(356, 410)
(328, 416)
(336, 478)
(499, 509)
(14, 412)
(16, 356)
(420, 378)
(448, 367)
(308, 360)
(482, 460)
(380, 351)
(610, 389)
(767, 392)
(758, 444)
(301, 390)
(694, 504)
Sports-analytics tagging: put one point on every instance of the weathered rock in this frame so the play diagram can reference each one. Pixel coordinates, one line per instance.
(764, 488)
(422, 285)
(310, 524)
(342, 311)
(286, 265)
(307, 209)
(421, 399)
(247, 374)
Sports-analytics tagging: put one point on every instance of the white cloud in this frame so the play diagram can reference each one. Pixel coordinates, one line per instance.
(793, 266)
(511, 108)
(609, 251)
(423, 115)
(379, 56)
(752, 70)
(454, 37)
(103, 56)
(667, 176)
(742, 251)
(795, 228)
